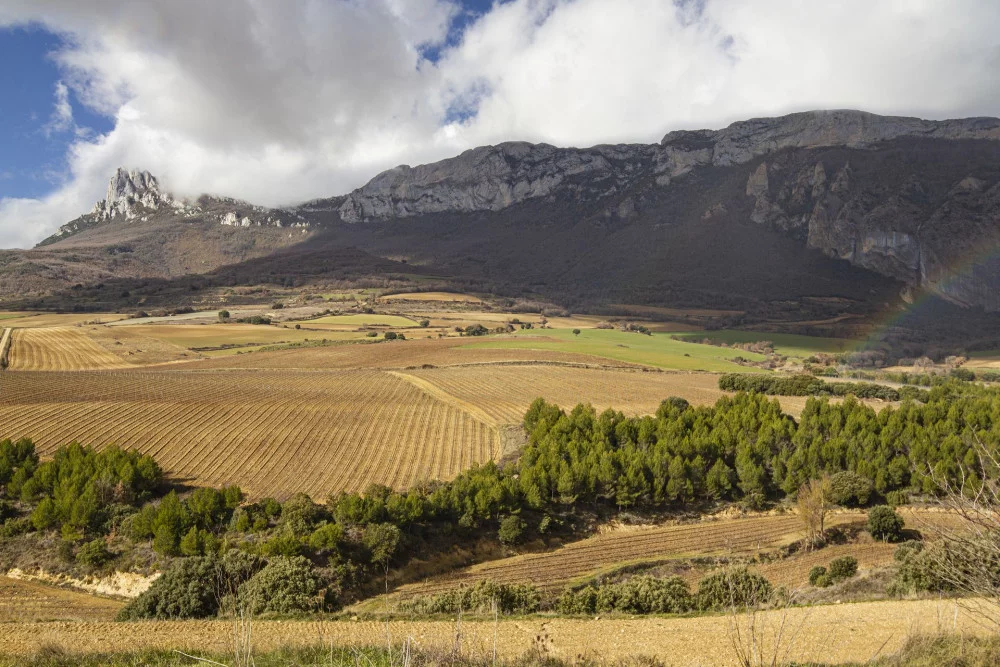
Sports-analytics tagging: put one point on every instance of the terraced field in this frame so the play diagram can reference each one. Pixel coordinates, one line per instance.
(553, 570)
(58, 349)
(273, 433)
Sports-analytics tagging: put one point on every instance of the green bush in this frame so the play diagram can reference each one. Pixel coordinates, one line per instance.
(842, 568)
(192, 587)
(733, 587)
(480, 598)
(897, 498)
(907, 549)
(511, 530)
(823, 581)
(815, 573)
(390, 335)
(94, 553)
(283, 586)
(638, 595)
(425, 323)
(884, 524)
(918, 571)
(849, 489)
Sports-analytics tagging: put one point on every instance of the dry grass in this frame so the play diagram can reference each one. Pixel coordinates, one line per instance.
(59, 349)
(25, 602)
(835, 633)
(271, 432)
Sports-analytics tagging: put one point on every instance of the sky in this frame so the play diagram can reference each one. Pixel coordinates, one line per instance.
(281, 102)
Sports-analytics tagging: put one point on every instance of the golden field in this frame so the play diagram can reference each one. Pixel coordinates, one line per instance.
(832, 633)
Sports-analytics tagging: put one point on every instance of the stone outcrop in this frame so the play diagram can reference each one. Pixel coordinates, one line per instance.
(492, 178)
(130, 195)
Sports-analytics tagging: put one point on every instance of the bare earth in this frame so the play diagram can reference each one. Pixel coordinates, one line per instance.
(833, 633)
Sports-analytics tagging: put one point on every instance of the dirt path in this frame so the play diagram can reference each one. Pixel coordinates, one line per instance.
(5, 338)
(834, 633)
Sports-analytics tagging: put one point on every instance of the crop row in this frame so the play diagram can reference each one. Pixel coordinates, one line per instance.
(272, 433)
(58, 349)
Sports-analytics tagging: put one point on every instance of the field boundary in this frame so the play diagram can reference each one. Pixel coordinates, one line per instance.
(440, 394)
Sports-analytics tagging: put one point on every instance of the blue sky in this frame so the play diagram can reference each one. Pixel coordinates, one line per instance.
(281, 102)
(34, 158)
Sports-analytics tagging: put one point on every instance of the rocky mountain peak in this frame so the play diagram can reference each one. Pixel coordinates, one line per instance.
(129, 193)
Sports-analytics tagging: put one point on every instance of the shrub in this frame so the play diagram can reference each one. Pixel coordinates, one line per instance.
(823, 580)
(277, 305)
(481, 598)
(190, 587)
(283, 586)
(372, 334)
(842, 568)
(734, 587)
(425, 323)
(511, 530)
(223, 315)
(815, 573)
(390, 335)
(849, 489)
(638, 595)
(897, 498)
(907, 549)
(918, 571)
(94, 553)
(884, 524)
(476, 330)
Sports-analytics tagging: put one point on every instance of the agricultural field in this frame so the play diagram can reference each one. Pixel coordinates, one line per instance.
(435, 297)
(745, 537)
(828, 634)
(58, 349)
(361, 320)
(791, 345)
(203, 337)
(579, 561)
(273, 433)
(29, 602)
(658, 350)
(28, 320)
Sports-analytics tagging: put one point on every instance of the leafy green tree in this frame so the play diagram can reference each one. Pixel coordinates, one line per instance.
(284, 586)
(193, 543)
(94, 553)
(382, 541)
(884, 524)
(511, 530)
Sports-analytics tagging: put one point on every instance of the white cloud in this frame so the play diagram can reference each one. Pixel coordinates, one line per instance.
(281, 102)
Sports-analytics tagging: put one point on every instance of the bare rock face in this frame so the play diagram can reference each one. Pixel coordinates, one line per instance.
(491, 178)
(130, 194)
(743, 141)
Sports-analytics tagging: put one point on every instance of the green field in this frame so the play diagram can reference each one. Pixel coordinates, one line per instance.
(656, 350)
(375, 319)
(792, 345)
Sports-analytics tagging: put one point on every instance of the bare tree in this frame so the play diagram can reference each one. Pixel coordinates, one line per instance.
(967, 554)
(813, 502)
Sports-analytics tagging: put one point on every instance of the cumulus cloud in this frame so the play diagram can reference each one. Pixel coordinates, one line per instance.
(282, 102)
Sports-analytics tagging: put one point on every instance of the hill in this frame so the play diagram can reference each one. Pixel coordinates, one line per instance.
(838, 218)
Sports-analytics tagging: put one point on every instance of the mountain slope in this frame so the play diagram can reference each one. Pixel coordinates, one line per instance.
(808, 216)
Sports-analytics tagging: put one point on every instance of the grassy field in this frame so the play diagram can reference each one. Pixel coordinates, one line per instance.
(828, 634)
(791, 345)
(28, 602)
(658, 350)
(273, 433)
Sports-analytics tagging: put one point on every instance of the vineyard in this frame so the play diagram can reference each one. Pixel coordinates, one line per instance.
(553, 570)
(273, 433)
(395, 355)
(5, 337)
(58, 349)
(25, 601)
